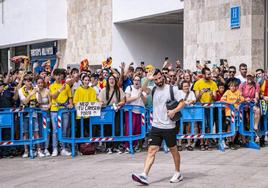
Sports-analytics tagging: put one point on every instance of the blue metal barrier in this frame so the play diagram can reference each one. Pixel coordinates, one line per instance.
(196, 114)
(9, 119)
(244, 108)
(263, 125)
(107, 117)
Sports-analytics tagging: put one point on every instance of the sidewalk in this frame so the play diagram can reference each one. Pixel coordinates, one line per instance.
(241, 168)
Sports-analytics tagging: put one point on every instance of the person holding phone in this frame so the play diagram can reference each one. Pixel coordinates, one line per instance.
(61, 96)
(205, 91)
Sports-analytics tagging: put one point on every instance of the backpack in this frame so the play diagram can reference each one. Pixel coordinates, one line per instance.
(88, 148)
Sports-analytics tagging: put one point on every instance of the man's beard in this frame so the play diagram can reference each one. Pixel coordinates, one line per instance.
(160, 84)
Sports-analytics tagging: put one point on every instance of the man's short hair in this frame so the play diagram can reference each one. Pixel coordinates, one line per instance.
(131, 68)
(262, 71)
(139, 68)
(242, 65)
(157, 71)
(57, 72)
(205, 69)
(74, 70)
(232, 67)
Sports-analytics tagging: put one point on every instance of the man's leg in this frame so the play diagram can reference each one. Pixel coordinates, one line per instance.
(154, 141)
(150, 158)
(143, 177)
(170, 138)
(176, 157)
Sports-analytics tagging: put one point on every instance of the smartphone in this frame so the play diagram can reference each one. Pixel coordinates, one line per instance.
(221, 62)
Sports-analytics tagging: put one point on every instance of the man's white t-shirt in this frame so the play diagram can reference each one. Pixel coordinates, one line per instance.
(161, 96)
(242, 79)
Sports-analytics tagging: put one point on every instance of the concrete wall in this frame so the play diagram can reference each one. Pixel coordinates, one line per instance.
(126, 10)
(89, 31)
(208, 36)
(31, 21)
(147, 42)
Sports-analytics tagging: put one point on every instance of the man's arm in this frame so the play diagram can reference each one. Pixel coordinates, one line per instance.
(171, 113)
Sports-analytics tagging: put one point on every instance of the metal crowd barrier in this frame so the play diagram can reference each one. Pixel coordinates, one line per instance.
(196, 116)
(13, 120)
(107, 118)
(244, 108)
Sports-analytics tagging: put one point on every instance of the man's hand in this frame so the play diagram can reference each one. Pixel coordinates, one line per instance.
(62, 88)
(58, 55)
(122, 66)
(171, 113)
(150, 75)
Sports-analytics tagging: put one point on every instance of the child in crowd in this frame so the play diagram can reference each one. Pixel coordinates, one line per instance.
(231, 96)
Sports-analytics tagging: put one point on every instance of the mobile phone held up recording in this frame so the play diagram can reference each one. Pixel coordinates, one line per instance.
(206, 90)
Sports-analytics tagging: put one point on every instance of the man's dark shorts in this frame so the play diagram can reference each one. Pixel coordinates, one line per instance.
(156, 136)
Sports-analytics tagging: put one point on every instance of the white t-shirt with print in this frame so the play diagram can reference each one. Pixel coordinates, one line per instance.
(161, 96)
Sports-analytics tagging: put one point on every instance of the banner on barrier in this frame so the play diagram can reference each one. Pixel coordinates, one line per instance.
(86, 109)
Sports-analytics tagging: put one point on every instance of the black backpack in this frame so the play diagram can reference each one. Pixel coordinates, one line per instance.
(171, 104)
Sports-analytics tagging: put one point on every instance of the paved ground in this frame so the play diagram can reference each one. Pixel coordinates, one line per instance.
(241, 168)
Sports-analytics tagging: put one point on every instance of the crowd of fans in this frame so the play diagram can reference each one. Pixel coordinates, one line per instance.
(59, 88)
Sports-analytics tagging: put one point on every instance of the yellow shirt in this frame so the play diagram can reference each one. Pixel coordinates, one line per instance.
(202, 84)
(232, 98)
(62, 98)
(85, 95)
(262, 88)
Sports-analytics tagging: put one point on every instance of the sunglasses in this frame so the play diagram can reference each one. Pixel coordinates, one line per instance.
(231, 71)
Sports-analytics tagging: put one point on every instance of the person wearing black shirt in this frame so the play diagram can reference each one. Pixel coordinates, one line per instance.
(232, 72)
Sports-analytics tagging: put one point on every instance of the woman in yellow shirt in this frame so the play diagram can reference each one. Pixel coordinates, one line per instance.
(84, 93)
(231, 96)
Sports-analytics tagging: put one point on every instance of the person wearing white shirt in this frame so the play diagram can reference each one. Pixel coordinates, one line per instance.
(189, 99)
(134, 96)
(243, 73)
(163, 128)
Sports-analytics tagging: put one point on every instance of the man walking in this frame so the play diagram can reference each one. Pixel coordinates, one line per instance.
(163, 128)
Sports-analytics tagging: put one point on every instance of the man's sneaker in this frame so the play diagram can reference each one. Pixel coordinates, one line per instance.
(257, 132)
(224, 144)
(109, 151)
(25, 154)
(257, 139)
(40, 154)
(65, 153)
(137, 149)
(140, 179)
(177, 177)
(232, 146)
(127, 150)
(35, 153)
(118, 151)
(47, 154)
(54, 153)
